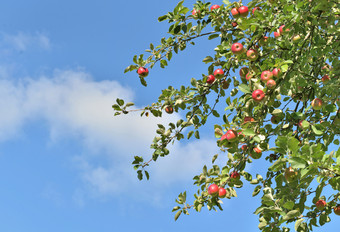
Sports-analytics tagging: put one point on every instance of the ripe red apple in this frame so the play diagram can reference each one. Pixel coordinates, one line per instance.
(235, 175)
(281, 29)
(169, 109)
(248, 119)
(290, 174)
(266, 75)
(143, 72)
(235, 13)
(255, 8)
(219, 73)
(252, 54)
(243, 72)
(277, 34)
(249, 76)
(325, 79)
(276, 72)
(271, 84)
(231, 135)
(222, 192)
(244, 147)
(213, 190)
(195, 12)
(237, 48)
(211, 79)
(317, 104)
(263, 41)
(234, 24)
(337, 210)
(258, 95)
(320, 204)
(256, 153)
(213, 7)
(243, 11)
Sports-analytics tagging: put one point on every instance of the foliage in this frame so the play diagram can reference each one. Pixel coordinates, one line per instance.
(301, 164)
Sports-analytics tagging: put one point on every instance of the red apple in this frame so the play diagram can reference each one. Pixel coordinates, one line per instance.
(301, 125)
(143, 72)
(317, 104)
(243, 11)
(271, 84)
(169, 109)
(213, 190)
(320, 204)
(213, 7)
(325, 79)
(235, 175)
(243, 72)
(234, 24)
(256, 153)
(219, 73)
(237, 48)
(266, 75)
(252, 54)
(222, 192)
(211, 79)
(258, 95)
(277, 34)
(244, 147)
(281, 29)
(231, 135)
(195, 12)
(263, 41)
(254, 9)
(276, 72)
(249, 76)
(248, 119)
(337, 210)
(235, 13)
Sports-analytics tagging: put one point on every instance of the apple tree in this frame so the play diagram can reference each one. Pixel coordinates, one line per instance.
(283, 106)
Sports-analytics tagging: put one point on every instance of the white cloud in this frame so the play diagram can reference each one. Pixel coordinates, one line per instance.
(23, 41)
(77, 107)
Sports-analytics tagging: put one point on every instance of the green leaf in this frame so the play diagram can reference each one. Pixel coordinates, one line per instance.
(298, 223)
(291, 214)
(293, 144)
(162, 18)
(177, 215)
(120, 101)
(248, 132)
(147, 175)
(284, 68)
(213, 36)
(244, 88)
(256, 190)
(139, 174)
(208, 59)
(197, 134)
(289, 205)
(316, 131)
(297, 162)
(129, 104)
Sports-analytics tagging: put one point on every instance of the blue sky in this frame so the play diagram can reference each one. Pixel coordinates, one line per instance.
(65, 160)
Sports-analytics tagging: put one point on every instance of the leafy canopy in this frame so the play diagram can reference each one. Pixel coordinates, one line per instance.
(299, 112)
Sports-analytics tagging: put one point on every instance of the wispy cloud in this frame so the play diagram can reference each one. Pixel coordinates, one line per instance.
(23, 41)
